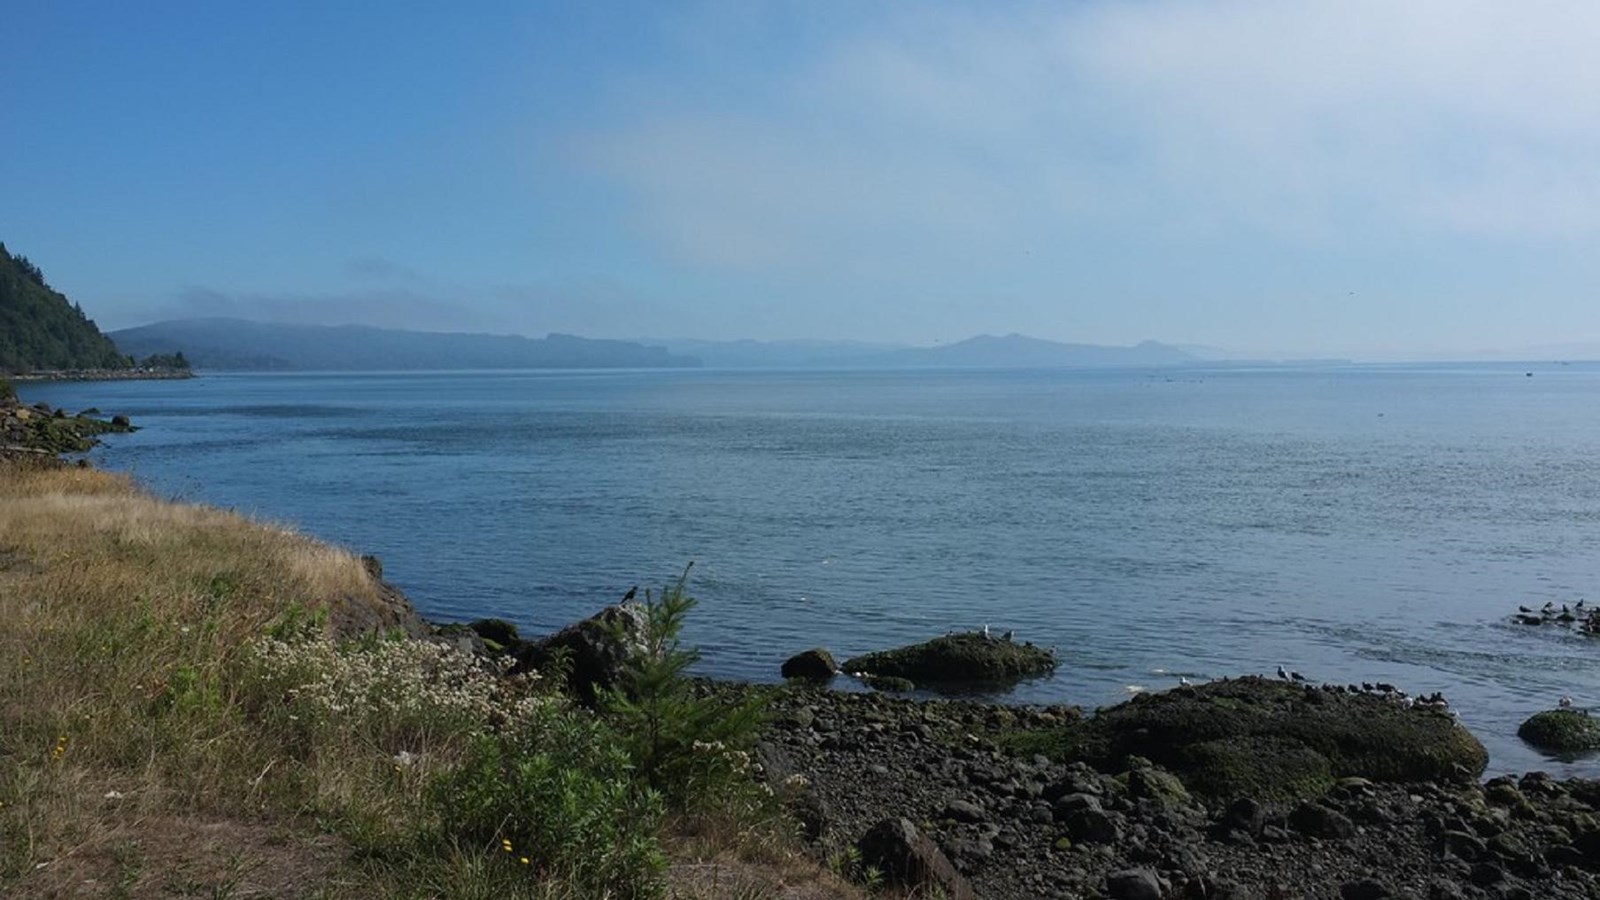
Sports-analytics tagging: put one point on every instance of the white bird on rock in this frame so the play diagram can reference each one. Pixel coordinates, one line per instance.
(1566, 702)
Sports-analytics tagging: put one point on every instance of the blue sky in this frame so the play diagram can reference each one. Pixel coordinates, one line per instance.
(1362, 177)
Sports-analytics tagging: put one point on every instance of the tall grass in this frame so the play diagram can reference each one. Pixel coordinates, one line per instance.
(174, 663)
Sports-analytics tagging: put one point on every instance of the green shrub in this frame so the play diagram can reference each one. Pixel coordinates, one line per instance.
(692, 747)
(557, 796)
(8, 393)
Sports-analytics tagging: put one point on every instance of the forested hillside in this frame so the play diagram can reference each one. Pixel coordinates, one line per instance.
(41, 329)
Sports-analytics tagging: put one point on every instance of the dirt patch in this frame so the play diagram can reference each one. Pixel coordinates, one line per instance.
(169, 857)
(721, 879)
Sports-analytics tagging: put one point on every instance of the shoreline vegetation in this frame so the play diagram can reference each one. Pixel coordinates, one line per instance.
(194, 703)
(138, 373)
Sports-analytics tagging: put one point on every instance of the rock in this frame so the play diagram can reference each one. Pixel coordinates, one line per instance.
(498, 633)
(887, 683)
(1093, 826)
(1464, 844)
(1365, 889)
(594, 650)
(965, 811)
(1245, 815)
(908, 859)
(1133, 884)
(1320, 821)
(958, 660)
(969, 854)
(812, 813)
(812, 665)
(1276, 740)
(121, 421)
(386, 611)
(1147, 782)
(1561, 731)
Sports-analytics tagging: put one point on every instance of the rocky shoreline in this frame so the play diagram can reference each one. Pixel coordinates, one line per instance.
(133, 374)
(1247, 788)
(41, 431)
(1014, 824)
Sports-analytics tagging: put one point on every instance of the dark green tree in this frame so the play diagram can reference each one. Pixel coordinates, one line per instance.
(41, 329)
(688, 744)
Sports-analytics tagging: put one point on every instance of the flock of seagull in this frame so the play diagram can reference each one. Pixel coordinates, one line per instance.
(1579, 613)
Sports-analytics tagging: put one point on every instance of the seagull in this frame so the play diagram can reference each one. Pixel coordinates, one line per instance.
(1566, 702)
(1524, 609)
(1297, 676)
(986, 630)
(1283, 673)
(1007, 636)
(1183, 680)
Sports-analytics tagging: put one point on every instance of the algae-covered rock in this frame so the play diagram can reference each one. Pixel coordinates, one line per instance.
(1270, 739)
(956, 660)
(888, 683)
(1256, 766)
(1562, 731)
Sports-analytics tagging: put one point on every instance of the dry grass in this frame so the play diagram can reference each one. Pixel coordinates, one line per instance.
(143, 755)
(121, 619)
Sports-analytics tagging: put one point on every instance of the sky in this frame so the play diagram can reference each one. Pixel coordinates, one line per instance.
(1358, 178)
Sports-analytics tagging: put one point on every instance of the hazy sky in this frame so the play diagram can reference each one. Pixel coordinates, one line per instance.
(1362, 178)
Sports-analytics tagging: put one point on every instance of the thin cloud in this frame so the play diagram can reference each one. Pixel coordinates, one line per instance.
(955, 136)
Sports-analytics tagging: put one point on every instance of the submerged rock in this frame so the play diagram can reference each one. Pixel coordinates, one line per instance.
(957, 660)
(1562, 731)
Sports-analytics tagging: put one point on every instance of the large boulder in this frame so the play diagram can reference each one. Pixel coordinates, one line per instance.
(958, 660)
(593, 652)
(909, 859)
(1562, 732)
(812, 665)
(1282, 741)
(386, 611)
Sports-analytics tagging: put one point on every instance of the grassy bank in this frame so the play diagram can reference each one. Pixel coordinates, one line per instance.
(181, 715)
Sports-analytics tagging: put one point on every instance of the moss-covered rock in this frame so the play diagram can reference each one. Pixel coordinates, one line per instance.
(1562, 732)
(1261, 767)
(39, 428)
(958, 660)
(498, 634)
(1271, 740)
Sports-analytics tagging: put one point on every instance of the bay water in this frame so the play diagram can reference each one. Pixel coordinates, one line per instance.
(1354, 523)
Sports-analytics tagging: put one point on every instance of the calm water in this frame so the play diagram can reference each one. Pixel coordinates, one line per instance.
(1352, 523)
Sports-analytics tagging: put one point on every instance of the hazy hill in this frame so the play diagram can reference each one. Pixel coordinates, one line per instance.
(984, 351)
(41, 329)
(748, 354)
(238, 344)
(1020, 351)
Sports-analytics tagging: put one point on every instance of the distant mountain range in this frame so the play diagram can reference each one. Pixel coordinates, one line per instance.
(237, 344)
(983, 351)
